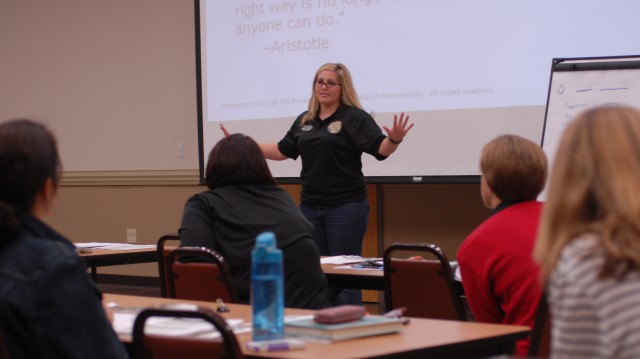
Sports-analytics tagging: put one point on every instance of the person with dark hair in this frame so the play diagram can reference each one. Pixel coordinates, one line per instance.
(49, 308)
(588, 245)
(330, 137)
(499, 275)
(243, 201)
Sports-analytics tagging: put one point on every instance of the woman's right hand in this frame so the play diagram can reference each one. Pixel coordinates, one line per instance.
(224, 130)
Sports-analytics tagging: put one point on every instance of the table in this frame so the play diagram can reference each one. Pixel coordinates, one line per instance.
(337, 277)
(360, 279)
(419, 339)
(107, 257)
(353, 278)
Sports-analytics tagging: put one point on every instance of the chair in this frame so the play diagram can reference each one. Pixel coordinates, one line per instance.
(424, 287)
(4, 347)
(540, 346)
(149, 346)
(203, 275)
(162, 254)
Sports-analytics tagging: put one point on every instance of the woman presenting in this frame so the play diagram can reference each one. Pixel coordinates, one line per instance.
(330, 137)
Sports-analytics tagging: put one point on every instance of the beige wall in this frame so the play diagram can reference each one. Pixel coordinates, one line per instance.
(103, 214)
(115, 80)
(441, 214)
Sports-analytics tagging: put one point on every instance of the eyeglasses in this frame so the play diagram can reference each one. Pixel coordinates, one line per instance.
(330, 84)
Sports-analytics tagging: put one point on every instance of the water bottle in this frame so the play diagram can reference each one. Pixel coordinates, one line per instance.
(267, 289)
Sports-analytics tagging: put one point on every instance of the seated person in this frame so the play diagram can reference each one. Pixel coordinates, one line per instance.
(498, 273)
(243, 201)
(49, 308)
(588, 245)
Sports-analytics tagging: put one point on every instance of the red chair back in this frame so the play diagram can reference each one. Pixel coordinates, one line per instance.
(4, 348)
(198, 273)
(424, 287)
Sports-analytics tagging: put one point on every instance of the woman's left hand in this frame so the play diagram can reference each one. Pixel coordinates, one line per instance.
(399, 129)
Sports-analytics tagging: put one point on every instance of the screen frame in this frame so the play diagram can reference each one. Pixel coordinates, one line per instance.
(439, 176)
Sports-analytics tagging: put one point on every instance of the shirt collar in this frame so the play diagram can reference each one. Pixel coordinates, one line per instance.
(504, 205)
(339, 113)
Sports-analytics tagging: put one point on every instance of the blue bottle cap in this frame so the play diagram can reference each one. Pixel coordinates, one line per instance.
(266, 240)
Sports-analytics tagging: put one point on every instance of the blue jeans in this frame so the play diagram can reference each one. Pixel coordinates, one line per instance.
(339, 229)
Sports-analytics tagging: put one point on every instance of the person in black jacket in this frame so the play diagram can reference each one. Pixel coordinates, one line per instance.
(49, 308)
(243, 201)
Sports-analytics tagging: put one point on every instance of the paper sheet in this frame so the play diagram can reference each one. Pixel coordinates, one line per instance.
(345, 259)
(186, 327)
(114, 246)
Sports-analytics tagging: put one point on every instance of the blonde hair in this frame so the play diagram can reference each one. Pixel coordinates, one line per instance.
(594, 187)
(349, 96)
(514, 167)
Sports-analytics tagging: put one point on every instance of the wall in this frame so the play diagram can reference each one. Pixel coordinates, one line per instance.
(441, 214)
(103, 213)
(115, 79)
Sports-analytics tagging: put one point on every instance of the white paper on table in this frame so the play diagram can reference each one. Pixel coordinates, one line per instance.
(114, 246)
(363, 269)
(173, 327)
(456, 270)
(90, 244)
(345, 259)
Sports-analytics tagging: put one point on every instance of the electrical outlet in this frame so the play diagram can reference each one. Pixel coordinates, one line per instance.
(131, 235)
(180, 149)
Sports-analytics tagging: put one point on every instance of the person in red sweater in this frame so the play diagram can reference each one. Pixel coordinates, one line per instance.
(499, 275)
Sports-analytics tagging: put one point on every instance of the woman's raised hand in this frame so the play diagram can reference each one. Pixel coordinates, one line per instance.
(224, 130)
(400, 128)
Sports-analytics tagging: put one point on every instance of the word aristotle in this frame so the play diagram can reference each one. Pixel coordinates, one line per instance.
(317, 43)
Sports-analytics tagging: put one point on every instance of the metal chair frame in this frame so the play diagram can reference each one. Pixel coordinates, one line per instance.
(143, 345)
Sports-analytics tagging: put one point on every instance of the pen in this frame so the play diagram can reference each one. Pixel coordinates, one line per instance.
(275, 345)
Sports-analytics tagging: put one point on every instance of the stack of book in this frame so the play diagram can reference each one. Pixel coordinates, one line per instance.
(366, 326)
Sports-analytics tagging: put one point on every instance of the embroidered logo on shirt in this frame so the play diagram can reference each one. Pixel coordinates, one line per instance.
(334, 127)
(306, 128)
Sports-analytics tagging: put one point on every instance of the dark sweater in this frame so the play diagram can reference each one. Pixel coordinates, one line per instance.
(228, 219)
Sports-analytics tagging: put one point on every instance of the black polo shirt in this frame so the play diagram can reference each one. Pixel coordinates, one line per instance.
(331, 152)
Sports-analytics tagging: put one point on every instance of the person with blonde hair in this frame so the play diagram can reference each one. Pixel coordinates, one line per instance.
(331, 137)
(588, 245)
(499, 275)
